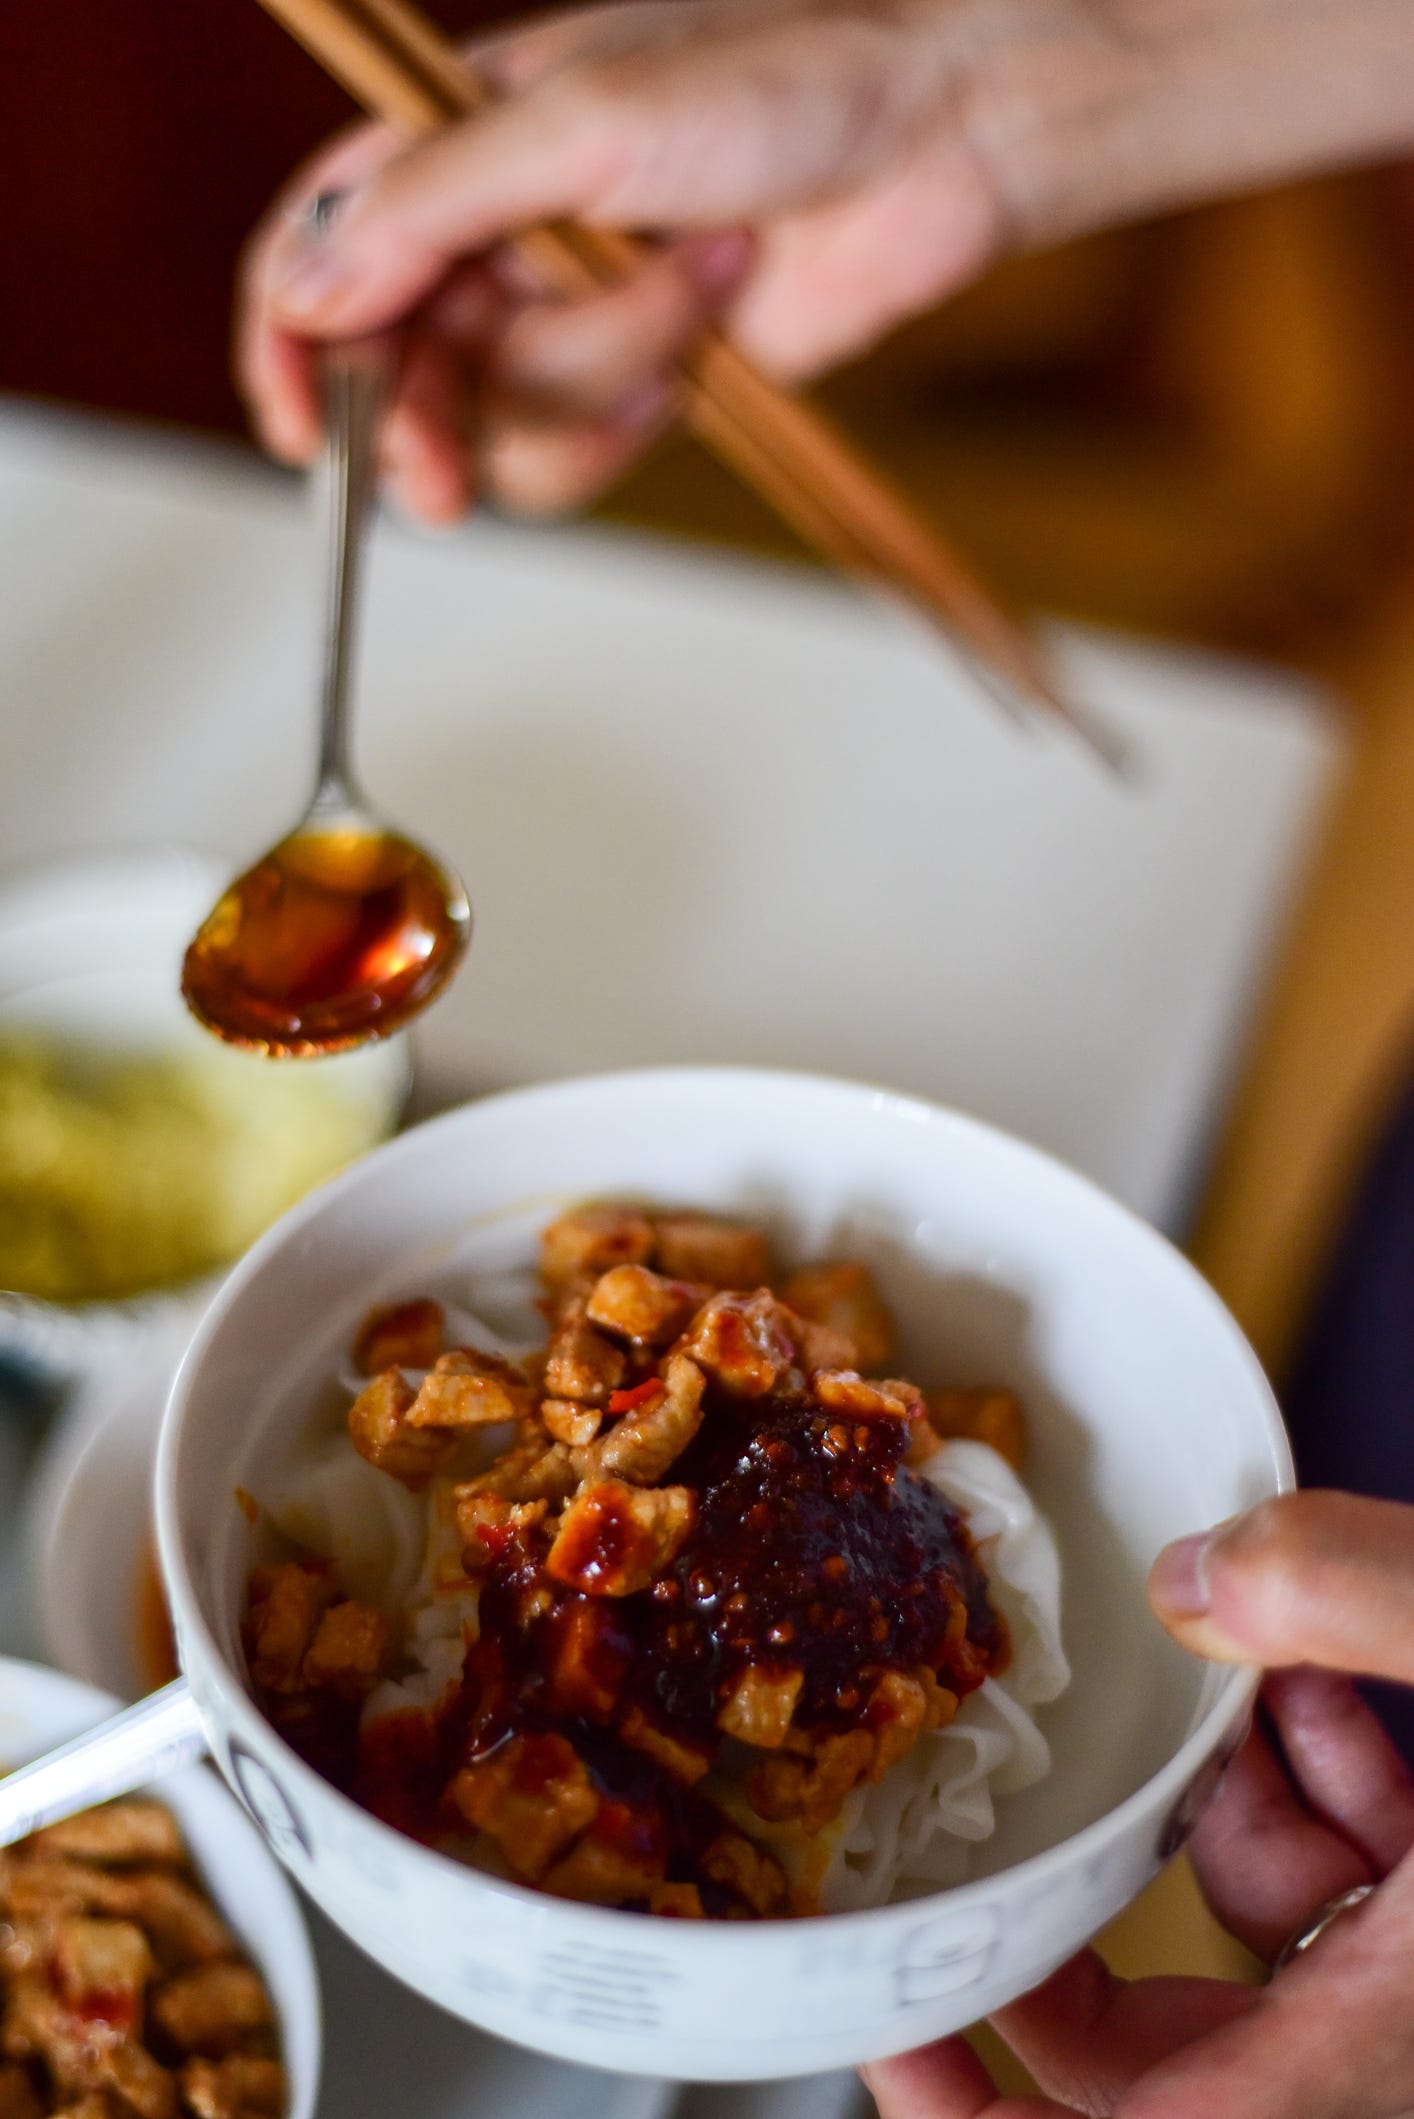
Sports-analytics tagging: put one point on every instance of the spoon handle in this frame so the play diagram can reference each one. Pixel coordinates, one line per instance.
(158, 1736)
(355, 386)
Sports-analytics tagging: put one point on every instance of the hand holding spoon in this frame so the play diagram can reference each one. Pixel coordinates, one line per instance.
(345, 930)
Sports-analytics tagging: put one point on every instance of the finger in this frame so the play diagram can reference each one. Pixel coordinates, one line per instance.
(425, 443)
(538, 471)
(277, 378)
(1342, 1761)
(712, 133)
(273, 368)
(947, 2081)
(583, 360)
(829, 283)
(515, 59)
(1322, 1578)
(1087, 2036)
(1331, 2038)
(1265, 1865)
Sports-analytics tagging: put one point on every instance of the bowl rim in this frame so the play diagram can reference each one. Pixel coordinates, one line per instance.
(301, 1999)
(1164, 1790)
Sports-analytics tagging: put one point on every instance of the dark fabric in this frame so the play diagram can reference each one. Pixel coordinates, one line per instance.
(1350, 1404)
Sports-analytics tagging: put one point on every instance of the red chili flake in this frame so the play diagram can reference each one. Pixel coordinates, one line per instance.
(629, 1401)
(110, 2005)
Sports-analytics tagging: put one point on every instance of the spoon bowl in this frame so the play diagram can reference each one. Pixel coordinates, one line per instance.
(339, 934)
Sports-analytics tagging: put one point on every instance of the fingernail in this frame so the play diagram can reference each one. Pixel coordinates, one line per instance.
(716, 262)
(312, 268)
(1179, 1577)
(322, 209)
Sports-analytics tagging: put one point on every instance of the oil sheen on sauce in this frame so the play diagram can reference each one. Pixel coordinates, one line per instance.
(814, 1547)
(333, 938)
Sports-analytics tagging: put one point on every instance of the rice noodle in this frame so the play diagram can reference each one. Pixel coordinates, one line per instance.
(913, 1832)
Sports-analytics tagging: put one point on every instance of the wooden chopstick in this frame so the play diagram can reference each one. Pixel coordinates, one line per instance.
(399, 66)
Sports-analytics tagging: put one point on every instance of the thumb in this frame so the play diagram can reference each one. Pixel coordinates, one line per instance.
(1323, 1578)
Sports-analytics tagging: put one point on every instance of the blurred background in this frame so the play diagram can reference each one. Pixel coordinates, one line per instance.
(1202, 428)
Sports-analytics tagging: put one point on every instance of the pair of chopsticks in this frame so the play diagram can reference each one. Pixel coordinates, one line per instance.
(400, 67)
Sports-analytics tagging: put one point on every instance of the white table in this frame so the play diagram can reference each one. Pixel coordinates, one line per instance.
(705, 810)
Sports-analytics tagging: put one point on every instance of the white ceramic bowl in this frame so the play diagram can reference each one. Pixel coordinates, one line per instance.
(1149, 1418)
(41, 1708)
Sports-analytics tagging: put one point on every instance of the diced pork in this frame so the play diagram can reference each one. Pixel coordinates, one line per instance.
(469, 1389)
(676, 1901)
(845, 1392)
(843, 1295)
(811, 1792)
(349, 1650)
(645, 1307)
(213, 2009)
(993, 1417)
(532, 1797)
(574, 1425)
(722, 1254)
(116, 1835)
(743, 1341)
(239, 2087)
(102, 1968)
(615, 1863)
(613, 1539)
(406, 1336)
(529, 1471)
(591, 1240)
(760, 1706)
(381, 1430)
(753, 1875)
(684, 1761)
(582, 1364)
(287, 1601)
(647, 1441)
(487, 1523)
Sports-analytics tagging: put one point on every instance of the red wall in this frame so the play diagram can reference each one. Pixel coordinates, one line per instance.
(138, 141)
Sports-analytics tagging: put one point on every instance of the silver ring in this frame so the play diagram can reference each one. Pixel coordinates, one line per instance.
(1329, 1913)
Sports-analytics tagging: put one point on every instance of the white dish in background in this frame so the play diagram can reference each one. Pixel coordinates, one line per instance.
(90, 960)
(41, 1708)
(93, 1496)
(1148, 1417)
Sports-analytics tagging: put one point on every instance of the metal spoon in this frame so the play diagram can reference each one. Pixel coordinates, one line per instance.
(345, 930)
